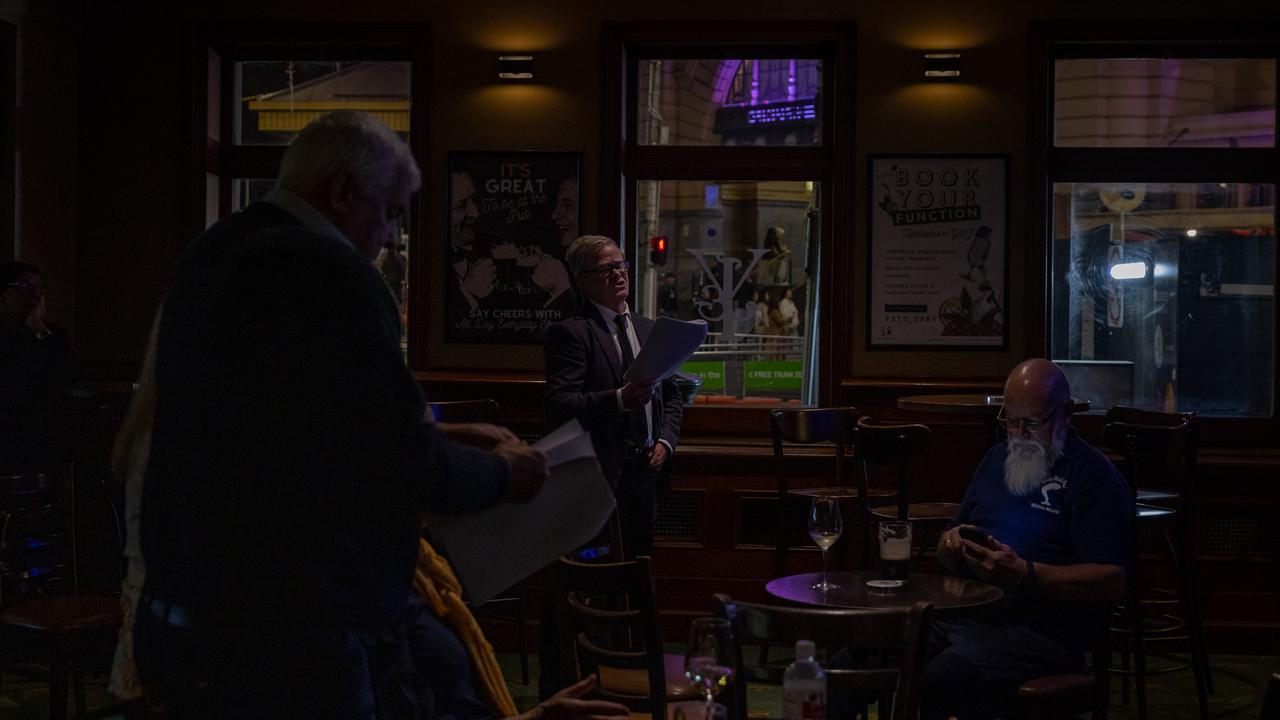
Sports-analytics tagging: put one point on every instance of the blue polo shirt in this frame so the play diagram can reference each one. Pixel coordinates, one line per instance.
(1081, 513)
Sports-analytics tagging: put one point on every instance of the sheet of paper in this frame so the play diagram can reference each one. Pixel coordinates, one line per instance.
(670, 343)
(565, 443)
(496, 548)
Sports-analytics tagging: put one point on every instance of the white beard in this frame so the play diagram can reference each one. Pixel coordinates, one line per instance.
(1027, 463)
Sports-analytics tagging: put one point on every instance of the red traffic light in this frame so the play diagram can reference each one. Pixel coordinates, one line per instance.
(658, 250)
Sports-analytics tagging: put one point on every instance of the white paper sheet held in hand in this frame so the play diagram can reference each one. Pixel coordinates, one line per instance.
(496, 548)
(669, 344)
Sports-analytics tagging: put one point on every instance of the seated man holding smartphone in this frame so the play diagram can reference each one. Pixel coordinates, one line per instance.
(1048, 519)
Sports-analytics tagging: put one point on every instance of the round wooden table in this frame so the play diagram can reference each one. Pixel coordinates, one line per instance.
(951, 596)
(985, 406)
(967, 404)
(102, 390)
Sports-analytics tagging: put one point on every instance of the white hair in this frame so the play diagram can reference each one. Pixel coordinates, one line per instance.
(1027, 462)
(584, 250)
(348, 141)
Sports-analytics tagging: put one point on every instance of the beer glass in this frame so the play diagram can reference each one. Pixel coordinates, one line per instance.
(895, 549)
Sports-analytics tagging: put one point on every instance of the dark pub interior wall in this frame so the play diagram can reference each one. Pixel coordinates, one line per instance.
(105, 115)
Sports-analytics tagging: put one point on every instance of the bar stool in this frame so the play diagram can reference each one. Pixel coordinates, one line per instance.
(895, 445)
(806, 427)
(1160, 460)
(40, 593)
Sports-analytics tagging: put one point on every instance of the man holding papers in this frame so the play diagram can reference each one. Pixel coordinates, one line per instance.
(634, 425)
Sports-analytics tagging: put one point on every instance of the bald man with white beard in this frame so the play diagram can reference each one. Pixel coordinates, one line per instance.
(1056, 519)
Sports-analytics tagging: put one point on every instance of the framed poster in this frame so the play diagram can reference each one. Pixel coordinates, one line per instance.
(511, 215)
(937, 252)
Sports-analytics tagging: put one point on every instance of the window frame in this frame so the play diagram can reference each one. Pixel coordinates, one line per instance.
(1051, 164)
(222, 158)
(624, 161)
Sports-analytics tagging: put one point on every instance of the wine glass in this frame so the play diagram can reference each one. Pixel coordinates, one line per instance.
(825, 527)
(708, 663)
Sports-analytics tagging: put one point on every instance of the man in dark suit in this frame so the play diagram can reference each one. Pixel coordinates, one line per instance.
(634, 427)
(289, 457)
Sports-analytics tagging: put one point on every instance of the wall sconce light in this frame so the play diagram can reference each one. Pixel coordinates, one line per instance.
(515, 67)
(942, 65)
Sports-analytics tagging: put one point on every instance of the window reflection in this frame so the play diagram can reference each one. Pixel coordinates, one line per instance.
(741, 256)
(767, 102)
(279, 98)
(1168, 299)
(1168, 102)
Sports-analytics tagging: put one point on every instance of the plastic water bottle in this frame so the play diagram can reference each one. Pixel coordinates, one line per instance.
(804, 686)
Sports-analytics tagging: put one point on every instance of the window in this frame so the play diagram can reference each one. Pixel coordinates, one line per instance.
(740, 257)
(729, 102)
(263, 89)
(1163, 207)
(729, 155)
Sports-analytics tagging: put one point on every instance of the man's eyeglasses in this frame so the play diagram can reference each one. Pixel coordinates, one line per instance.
(1026, 424)
(605, 269)
(29, 287)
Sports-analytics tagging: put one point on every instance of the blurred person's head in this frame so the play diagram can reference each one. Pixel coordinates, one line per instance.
(463, 211)
(1036, 413)
(565, 214)
(599, 270)
(356, 172)
(23, 287)
(775, 239)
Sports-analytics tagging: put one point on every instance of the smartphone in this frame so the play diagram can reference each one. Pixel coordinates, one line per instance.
(974, 534)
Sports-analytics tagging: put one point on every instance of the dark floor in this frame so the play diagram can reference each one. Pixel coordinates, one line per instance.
(1239, 681)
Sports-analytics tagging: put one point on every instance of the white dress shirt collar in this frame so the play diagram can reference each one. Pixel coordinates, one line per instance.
(608, 315)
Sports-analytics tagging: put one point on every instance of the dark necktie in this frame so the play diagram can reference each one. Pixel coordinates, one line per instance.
(638, 424)
(624, 342)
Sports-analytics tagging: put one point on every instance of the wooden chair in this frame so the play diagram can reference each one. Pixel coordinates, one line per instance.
(1160, 454)
(894, 446)
(1060, 697)
(39, 582)
(609, 626)
(1270, 708)
(891, 640)
(808, 427)
(512, 607)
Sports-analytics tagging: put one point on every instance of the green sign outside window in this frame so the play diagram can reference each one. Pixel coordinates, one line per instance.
(773, 374)
(711, 372)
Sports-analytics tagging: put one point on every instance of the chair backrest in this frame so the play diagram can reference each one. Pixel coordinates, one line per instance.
(1138, 416)
(37, 533)
(1159, 456)
(806, 427)
(880, 444)
(485, 411)
(1271, 699)
(609, 626)
(813, 425)
(885, 648)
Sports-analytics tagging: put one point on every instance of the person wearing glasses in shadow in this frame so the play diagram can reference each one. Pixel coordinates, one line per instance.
(36, 363)
(1047, 518)
(634, 427)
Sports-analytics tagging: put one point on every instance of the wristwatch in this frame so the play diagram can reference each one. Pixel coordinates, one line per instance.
(1029, 579)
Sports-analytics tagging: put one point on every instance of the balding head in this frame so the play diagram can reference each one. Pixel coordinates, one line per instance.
(1036, 387)
(1037, 411)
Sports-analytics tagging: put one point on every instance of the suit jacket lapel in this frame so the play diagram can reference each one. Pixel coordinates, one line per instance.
(605, 339)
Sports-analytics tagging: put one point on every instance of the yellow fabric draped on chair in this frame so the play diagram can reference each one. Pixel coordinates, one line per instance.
(435, 581)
